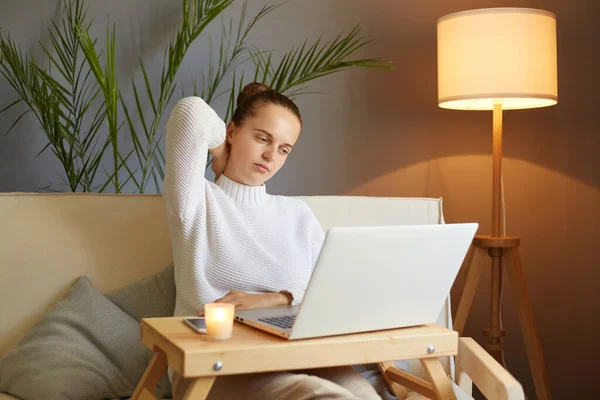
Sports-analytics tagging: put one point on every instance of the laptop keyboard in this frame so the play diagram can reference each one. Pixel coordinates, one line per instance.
(281, 322)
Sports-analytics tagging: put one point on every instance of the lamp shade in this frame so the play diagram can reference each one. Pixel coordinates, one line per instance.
(497, 55)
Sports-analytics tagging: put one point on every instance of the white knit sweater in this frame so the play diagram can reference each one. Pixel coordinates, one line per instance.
(226, 235)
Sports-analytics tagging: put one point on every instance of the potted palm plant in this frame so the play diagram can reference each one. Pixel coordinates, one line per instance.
(77, 92)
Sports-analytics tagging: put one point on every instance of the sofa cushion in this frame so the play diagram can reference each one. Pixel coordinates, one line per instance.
(84, 348)
(148, 298)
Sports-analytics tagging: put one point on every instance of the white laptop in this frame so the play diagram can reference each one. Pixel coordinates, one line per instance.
(372, 278)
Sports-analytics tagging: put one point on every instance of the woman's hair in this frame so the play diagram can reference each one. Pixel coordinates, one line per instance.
(255, 95)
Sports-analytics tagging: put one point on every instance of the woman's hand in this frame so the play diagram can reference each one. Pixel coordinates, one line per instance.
(220, 157)
(242, 300)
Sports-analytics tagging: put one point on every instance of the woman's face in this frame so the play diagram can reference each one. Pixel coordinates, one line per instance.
(260, 146)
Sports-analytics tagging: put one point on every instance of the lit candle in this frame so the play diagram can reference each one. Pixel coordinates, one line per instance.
(219, 320)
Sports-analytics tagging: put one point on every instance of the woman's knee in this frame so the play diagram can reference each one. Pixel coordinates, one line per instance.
(349, 379)
(279, 385)
(320, 384)
(315, 387)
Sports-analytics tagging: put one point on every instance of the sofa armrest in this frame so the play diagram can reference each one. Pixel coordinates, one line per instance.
(475, 365)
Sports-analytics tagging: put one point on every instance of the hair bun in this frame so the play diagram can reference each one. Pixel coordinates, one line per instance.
(250, 90)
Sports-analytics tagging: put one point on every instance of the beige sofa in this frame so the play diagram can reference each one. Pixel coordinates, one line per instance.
(47, 240)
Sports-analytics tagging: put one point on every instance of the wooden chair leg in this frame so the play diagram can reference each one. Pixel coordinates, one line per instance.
(411, 382)
(530, 336)
(439, 380)
(462, 379)
(194, 388)
(154, 371)
(476, 366)
(397, 389)
(473, 270)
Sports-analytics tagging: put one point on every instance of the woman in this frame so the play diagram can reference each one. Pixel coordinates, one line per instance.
(233, 242)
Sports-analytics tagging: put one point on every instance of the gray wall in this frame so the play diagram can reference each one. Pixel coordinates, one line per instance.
(381, 133)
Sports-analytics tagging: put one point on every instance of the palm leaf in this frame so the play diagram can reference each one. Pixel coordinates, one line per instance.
(230, 51)
(304, 63)
(107, 81)
(197, 14)
(59, 107)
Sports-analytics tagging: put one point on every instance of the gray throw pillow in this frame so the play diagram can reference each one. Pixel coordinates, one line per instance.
(84, 348)
(148, 298)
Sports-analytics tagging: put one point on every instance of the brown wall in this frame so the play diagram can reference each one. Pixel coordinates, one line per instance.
(395, 141)
(551, 178)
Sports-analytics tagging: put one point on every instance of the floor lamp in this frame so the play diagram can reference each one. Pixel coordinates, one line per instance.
(499, 59)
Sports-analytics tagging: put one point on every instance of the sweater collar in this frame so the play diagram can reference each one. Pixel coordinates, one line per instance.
(242, 195)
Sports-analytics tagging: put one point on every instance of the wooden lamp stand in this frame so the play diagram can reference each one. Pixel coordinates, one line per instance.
(502, 250)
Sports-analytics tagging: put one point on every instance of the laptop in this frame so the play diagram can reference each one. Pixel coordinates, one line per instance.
(372, 278)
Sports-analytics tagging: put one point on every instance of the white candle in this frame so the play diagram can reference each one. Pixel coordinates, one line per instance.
(219, 320)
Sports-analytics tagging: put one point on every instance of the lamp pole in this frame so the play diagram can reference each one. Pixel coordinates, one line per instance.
(495, 333)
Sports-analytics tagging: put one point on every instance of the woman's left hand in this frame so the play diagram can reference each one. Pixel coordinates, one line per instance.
(242, 300)
(220, 158)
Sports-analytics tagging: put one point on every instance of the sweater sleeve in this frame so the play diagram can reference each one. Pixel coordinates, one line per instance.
(317, 239)
(193, 128)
